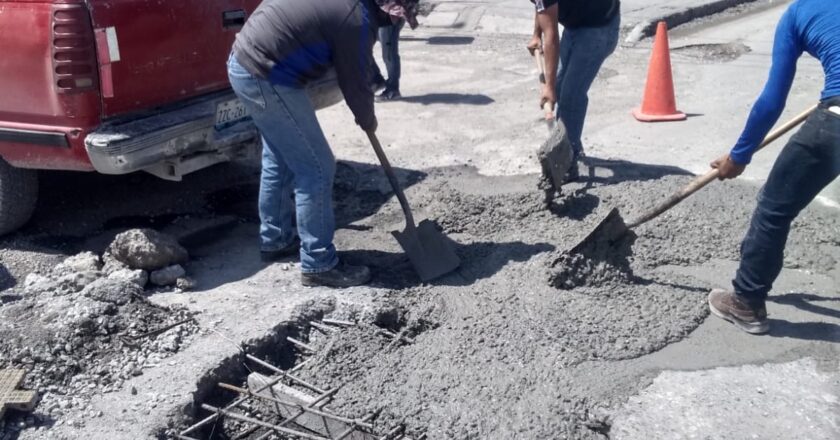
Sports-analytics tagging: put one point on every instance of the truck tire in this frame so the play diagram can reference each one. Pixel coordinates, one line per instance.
(18, 195)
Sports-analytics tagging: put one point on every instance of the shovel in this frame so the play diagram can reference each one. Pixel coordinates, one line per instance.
(555, 154)
(429, 251)
(612, 227)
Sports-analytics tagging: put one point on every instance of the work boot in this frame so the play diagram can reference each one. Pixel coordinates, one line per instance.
(727, 305)
(281, 254)
(389, 95)
(342, 275)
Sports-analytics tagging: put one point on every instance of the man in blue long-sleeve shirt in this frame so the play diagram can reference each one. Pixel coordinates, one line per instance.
(809, 162)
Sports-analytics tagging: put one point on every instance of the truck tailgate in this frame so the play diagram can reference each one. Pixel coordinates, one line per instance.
(156, 52)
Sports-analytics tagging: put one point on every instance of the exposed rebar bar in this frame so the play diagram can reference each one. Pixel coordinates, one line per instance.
(247, 419)
(286, 374)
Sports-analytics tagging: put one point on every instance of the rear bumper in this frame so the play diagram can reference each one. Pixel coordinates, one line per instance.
(122, 147)
(163, 141)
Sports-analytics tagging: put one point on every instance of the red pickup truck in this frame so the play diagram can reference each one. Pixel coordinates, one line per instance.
(118, 86)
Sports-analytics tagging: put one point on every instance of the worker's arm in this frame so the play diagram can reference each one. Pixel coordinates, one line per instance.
(536, 38)
(545, 22)
(770, 104)
(353, 60)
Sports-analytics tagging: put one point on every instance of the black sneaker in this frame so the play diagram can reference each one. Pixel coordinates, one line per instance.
(727, 305)
(342, 275)
(389, 95)
(281, 254)
(377, 84)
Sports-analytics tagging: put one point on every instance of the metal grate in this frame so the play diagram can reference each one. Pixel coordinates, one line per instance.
(10, 396)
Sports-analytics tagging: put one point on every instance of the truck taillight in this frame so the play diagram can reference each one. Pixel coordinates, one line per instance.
(74, 53)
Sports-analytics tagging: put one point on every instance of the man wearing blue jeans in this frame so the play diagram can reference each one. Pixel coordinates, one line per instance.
(389, 38)
(285, 45)
(809, 162)
(590, 35)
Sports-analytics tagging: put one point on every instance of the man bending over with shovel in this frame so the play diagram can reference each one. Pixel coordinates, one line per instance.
(284, 45)
(809, 162)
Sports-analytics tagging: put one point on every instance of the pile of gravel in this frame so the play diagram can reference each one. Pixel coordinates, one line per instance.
(85, 327)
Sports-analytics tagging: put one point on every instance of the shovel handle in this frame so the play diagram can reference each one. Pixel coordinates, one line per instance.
(392, 178)
(712, 174)
(546, 107)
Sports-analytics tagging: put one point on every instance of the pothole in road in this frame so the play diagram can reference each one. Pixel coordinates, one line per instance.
(285, 385)
(725, 52)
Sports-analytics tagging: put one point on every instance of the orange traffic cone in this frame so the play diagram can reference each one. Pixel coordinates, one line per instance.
(659, 103)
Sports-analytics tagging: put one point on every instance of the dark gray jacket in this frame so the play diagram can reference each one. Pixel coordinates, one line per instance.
(292, 42)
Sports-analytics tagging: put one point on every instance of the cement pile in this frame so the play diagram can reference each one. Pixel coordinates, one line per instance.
(602, 258)
(496, 361)
(83, 329)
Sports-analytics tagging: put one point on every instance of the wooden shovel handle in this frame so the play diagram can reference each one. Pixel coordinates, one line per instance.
(392, 178)
(707, 178)
(546, 107)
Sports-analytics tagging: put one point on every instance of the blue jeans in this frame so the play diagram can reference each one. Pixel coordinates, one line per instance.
(582, 52)
(389, 38)
(809, 162)
(298, 169)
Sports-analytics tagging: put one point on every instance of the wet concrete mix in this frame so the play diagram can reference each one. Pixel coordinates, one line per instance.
(491, 344)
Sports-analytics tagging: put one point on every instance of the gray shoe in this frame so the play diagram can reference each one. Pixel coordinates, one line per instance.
(726, 304)
(342, 275)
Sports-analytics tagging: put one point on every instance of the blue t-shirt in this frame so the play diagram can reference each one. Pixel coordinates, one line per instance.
(811, 26)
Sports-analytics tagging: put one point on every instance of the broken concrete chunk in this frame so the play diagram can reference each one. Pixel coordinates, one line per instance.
(112, 291)
(83, 262)
(35, 284)
(111, 264)
(139, 276)
(167, 276)
(76, 281)
(185, 283)
(147, 249)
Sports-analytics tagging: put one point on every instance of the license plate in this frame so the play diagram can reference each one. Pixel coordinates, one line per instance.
(229, 112)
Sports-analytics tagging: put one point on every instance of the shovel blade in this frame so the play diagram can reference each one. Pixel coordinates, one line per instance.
(607, 231)
(429, 251)
(555, 156)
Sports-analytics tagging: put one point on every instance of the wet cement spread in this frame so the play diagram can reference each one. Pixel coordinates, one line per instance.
(491, 358)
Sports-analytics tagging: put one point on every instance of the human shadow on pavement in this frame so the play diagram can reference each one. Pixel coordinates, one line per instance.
(624, 171)
(449, 98)
(805, 301)
(360, 190)
(808, 331)
(481, 260)
(442, 40)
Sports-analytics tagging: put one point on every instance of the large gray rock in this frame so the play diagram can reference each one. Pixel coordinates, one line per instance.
(147, 249)
(112, 291)
(167, 276)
